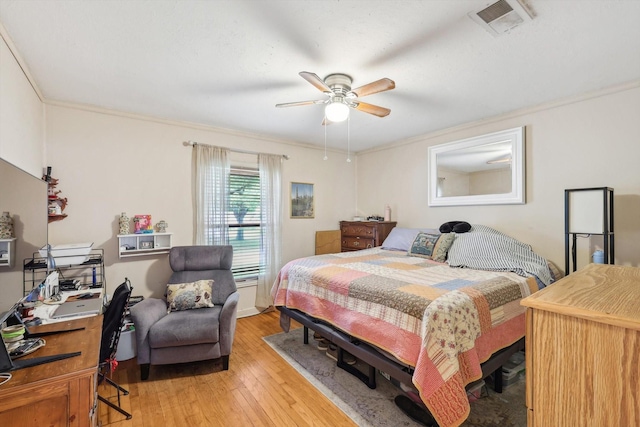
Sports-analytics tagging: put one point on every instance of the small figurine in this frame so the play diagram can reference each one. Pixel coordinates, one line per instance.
(6, 226)
(162, 226)
(124, 223)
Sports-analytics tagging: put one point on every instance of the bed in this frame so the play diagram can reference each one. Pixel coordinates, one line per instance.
(420, 320)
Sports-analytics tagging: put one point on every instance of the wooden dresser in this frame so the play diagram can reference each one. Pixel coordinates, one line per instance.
(583, 349)
(61, 393)
(357, 235)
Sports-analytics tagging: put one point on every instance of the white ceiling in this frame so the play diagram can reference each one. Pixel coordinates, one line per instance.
(227, 63)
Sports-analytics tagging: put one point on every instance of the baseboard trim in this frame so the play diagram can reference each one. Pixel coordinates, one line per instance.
(252, 311)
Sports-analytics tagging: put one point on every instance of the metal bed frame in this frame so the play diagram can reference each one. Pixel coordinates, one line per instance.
(376, 359)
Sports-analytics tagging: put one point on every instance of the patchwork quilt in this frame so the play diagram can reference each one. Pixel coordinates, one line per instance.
(443, 321)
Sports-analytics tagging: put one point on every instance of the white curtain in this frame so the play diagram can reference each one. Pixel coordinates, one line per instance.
(270, 167)
(210, 166)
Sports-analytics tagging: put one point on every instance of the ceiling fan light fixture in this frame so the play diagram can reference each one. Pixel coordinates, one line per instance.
(336, 111)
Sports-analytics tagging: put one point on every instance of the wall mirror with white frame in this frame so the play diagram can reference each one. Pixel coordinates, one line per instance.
(483, 170)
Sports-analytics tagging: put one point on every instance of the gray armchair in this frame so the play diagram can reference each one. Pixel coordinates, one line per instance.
(190, 335)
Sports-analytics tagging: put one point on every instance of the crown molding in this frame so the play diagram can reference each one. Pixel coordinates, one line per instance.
(23, 66)
(185, 124)
(510, 115)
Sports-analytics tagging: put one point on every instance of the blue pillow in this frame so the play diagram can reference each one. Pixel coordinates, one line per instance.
(432, 245)
(400, 239)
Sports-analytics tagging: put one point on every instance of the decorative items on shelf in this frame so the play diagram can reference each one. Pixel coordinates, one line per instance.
(56, 203)
(161, 227)
(124, 223)
(598, 257)
(6, 226)
(142, 224)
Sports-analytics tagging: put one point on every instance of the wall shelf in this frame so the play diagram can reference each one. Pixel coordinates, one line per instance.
(56, 204)
(132, 245)
(7, 252)
(54, 217)
(587, 212)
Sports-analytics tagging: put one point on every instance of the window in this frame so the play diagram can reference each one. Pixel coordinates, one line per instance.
(242, 207)
(243, 217)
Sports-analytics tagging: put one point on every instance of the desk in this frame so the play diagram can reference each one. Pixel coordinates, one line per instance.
(61, 393)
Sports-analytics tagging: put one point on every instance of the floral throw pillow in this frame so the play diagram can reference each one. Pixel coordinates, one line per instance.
(432, 246)
(189, 296)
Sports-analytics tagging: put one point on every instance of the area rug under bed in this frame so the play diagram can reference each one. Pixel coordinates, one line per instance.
(376, 408)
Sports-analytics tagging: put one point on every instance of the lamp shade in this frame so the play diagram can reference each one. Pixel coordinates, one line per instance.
(336, 111)
(588, 210)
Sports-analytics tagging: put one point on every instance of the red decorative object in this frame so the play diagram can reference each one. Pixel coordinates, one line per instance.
(142, 224)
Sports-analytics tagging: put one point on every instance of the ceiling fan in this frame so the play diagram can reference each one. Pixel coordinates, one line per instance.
(341, 98)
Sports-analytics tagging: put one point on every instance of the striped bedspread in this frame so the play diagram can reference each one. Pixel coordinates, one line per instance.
(487, 249)
(443, 321)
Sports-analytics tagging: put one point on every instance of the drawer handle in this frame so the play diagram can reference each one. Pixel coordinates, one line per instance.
(356, 243)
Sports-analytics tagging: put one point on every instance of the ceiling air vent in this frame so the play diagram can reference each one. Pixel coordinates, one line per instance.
(502, 16)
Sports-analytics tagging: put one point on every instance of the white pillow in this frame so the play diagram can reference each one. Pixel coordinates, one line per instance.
(400, 239)
(188, 296)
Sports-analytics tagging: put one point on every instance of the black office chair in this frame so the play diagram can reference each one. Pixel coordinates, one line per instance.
(112, 323)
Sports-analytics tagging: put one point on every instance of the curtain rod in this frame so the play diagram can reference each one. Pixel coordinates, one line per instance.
(192, 143)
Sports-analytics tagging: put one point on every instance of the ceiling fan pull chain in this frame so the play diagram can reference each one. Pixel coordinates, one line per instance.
(325, 137)
(348, 140)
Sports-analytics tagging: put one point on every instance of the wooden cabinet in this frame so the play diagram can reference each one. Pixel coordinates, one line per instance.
(61, 393)
(583, 342)
(357, 235)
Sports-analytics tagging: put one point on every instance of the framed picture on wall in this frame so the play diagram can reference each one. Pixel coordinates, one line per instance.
(302, 200)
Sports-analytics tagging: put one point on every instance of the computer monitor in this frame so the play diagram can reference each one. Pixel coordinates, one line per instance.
(9, 318)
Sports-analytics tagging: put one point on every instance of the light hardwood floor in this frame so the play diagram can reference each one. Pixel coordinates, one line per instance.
(259, 389)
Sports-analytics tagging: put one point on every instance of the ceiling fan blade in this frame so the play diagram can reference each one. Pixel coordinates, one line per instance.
(294, 104)
(374, 87)
(372, 109)
(316, 81)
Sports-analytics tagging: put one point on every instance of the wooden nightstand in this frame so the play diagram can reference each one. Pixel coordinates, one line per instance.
(357, 235)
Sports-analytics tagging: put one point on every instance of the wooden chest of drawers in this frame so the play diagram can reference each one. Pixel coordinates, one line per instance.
(357, 235)
(583, 341)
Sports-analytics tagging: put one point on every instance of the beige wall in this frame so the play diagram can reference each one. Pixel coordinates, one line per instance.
(587, 142)
(109, 163)
(22, 145)
(21, 116)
